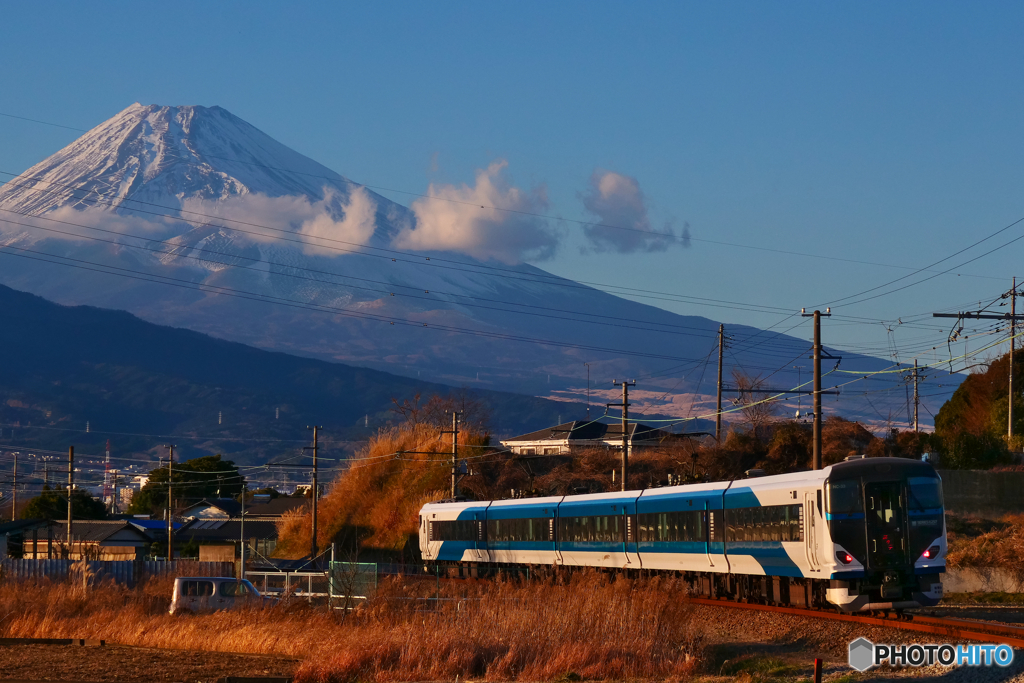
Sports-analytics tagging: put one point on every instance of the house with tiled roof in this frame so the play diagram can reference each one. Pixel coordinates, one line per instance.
(564, 438)
(90, 539)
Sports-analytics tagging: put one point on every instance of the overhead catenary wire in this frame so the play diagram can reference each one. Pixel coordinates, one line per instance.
(434, 197)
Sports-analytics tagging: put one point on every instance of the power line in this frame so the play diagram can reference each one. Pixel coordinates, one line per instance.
(532, 214)
(323, 308)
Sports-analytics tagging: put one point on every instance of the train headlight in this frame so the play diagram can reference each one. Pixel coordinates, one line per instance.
(844, 557)
(931, 553)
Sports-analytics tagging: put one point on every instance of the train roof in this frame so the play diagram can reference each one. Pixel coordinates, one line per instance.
(874, 466)
(848, 468)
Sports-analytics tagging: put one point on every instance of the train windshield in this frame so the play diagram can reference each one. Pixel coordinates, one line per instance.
(924, 493)
(844, 497)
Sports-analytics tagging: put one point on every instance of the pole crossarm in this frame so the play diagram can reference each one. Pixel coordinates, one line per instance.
(980, 316)
(778, 391)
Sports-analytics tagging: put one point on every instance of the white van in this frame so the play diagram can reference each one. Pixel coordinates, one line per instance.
(210, 593)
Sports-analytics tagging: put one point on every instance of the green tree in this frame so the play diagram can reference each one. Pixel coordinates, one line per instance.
(195, 479)
(53, 505)
(966, 451)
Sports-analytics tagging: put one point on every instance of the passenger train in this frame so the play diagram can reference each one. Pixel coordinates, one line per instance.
(862, 535)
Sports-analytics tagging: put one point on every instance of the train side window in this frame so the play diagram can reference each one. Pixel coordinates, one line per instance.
(925, 493)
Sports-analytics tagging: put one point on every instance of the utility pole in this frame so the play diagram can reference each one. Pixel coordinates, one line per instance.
(625, 428)
(454, 431)
(315, 493)
(1013, 329)
(917, 425)
(241, 533)
(14, 490)
(718, 408)
(170, 502)
(588, 391)
(71, 486)
(816, 461)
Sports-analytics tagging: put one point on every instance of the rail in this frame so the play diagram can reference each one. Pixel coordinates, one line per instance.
(955, 629)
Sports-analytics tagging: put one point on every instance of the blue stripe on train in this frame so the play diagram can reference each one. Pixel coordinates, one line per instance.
(772, 557)
(452, 551)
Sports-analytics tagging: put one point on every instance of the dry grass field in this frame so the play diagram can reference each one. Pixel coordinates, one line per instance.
(585, 626)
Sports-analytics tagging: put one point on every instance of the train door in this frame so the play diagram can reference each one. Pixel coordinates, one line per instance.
(886, 515)
(630, 536)
(811, 532)
(557, 537)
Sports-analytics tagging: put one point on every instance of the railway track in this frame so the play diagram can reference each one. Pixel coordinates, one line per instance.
(951, 629)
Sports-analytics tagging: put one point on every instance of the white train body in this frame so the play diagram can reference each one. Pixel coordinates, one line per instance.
(866, 534)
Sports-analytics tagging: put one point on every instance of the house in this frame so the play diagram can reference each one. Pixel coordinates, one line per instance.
(13, 535)
(92, 539)
(218, 538)
(564, 438)
(260, 507)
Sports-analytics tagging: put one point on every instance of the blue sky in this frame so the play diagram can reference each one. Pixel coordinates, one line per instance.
(861, 131)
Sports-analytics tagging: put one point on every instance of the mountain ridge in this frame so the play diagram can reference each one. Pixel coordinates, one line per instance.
(71, 365)
(467, 321)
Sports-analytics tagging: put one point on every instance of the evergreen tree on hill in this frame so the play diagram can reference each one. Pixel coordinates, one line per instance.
(195, 479)
(970, 428)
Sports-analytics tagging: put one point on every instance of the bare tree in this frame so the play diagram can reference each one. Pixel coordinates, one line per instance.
(756, 411)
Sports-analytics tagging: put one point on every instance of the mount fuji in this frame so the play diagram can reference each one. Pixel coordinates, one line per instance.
(189, 216)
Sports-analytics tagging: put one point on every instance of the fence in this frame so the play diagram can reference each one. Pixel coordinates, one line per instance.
(124, 572)
(982, 492)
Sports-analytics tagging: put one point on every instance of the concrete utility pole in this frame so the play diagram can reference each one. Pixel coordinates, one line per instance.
(454, 431)
(917, 425)
(816, 460)
(1013, 329)
(241, 533)
(14, 490)
(718, 408)
(315, 492)
(625, 428)
(588, 391)
(170, 502)
(71, 486)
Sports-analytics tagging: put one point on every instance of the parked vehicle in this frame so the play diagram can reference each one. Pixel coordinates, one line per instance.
(211, 593)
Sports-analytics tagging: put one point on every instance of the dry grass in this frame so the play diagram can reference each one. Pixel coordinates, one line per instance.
(588, 626)
(377, 500)
(987, 545)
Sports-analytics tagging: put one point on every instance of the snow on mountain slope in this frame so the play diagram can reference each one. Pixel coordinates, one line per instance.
(227, 218)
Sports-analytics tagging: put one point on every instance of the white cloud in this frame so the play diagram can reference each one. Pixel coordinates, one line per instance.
(266, 218)
(622, 224)
(486, 221)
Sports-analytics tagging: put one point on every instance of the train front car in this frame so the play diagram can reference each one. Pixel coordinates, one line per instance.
(886, 523)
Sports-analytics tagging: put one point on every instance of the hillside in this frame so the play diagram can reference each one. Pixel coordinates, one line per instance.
(61, 367)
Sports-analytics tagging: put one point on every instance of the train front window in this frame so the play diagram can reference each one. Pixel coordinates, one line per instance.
(924, 493)
(844, 497)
